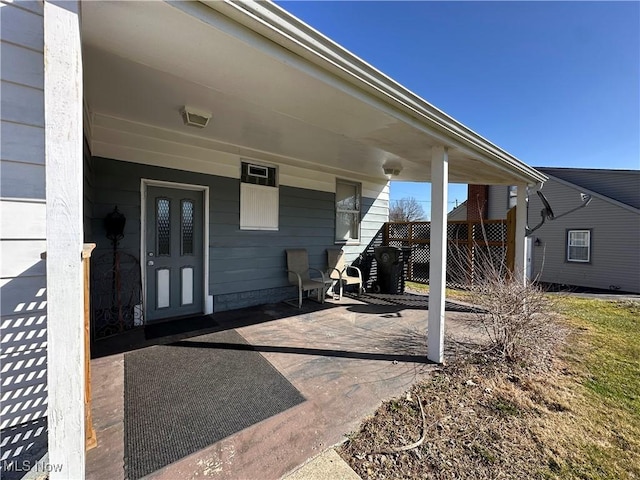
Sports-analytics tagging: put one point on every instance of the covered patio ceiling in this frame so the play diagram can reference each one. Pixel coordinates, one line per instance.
(277, 90)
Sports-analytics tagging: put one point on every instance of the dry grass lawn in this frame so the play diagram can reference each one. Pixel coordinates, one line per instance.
(577, 416)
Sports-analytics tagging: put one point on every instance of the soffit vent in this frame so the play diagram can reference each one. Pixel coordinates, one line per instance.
(195, 117)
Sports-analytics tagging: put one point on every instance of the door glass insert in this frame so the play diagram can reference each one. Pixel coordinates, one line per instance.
(186, 227)
(163, 226)
(163, 286)
(187, 285)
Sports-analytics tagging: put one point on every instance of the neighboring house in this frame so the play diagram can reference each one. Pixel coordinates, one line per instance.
(458, 213)
(224, 132)
(597, 246)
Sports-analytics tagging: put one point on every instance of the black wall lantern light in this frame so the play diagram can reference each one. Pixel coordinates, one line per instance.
(114, 225)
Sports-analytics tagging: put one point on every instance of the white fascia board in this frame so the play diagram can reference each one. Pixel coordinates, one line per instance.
(279, 26)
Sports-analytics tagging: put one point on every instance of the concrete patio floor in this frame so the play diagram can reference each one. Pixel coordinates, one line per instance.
(345, 357)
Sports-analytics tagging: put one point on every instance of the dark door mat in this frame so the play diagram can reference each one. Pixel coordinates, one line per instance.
(179, 326)
(180, 398)
(153, 334)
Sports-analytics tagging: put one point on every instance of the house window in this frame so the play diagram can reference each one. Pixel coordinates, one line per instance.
(259, 197)
(579, 246)
(512, 197)
(347, 211)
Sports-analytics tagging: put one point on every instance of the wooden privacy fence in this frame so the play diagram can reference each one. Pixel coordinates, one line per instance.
(472, 246)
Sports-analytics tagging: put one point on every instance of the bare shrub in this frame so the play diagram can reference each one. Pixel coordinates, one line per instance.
(519, 319)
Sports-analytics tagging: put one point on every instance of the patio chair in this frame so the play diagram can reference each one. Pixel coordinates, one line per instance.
(298, 271)
(343, 274)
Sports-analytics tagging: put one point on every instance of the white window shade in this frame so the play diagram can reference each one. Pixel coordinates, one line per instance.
(258, 207)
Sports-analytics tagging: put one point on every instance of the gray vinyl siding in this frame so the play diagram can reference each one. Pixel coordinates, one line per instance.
(23, 334)
(615, 242)
(459, 213)
(498, 199)
(246, 267)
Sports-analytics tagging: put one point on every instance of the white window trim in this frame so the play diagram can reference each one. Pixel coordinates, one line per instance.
(264, 171)
(588, 246)
(351, 241)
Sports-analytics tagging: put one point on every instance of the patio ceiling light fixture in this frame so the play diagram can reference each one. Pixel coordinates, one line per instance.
(195, 117)
(391, 170)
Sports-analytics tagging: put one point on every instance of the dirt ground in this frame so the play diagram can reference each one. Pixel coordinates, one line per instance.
(480, 421)
(572, 415)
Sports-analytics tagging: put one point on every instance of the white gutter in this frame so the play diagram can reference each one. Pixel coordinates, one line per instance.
(279, 26)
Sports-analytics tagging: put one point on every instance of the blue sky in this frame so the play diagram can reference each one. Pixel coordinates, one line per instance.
(553, 83)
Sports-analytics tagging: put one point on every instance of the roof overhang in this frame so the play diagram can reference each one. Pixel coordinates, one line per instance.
(277, 89)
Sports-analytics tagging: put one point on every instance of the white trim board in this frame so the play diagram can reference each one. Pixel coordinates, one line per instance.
(288, 175)
(207, 299)
(135, 142)
(64, 232)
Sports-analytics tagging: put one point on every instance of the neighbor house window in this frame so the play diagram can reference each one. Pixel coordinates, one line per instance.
(579, 246)
(259, 197)
(347, 211)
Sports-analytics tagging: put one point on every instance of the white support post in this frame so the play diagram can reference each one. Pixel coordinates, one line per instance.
(64, 180)
(520, 263)
(438, 249)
